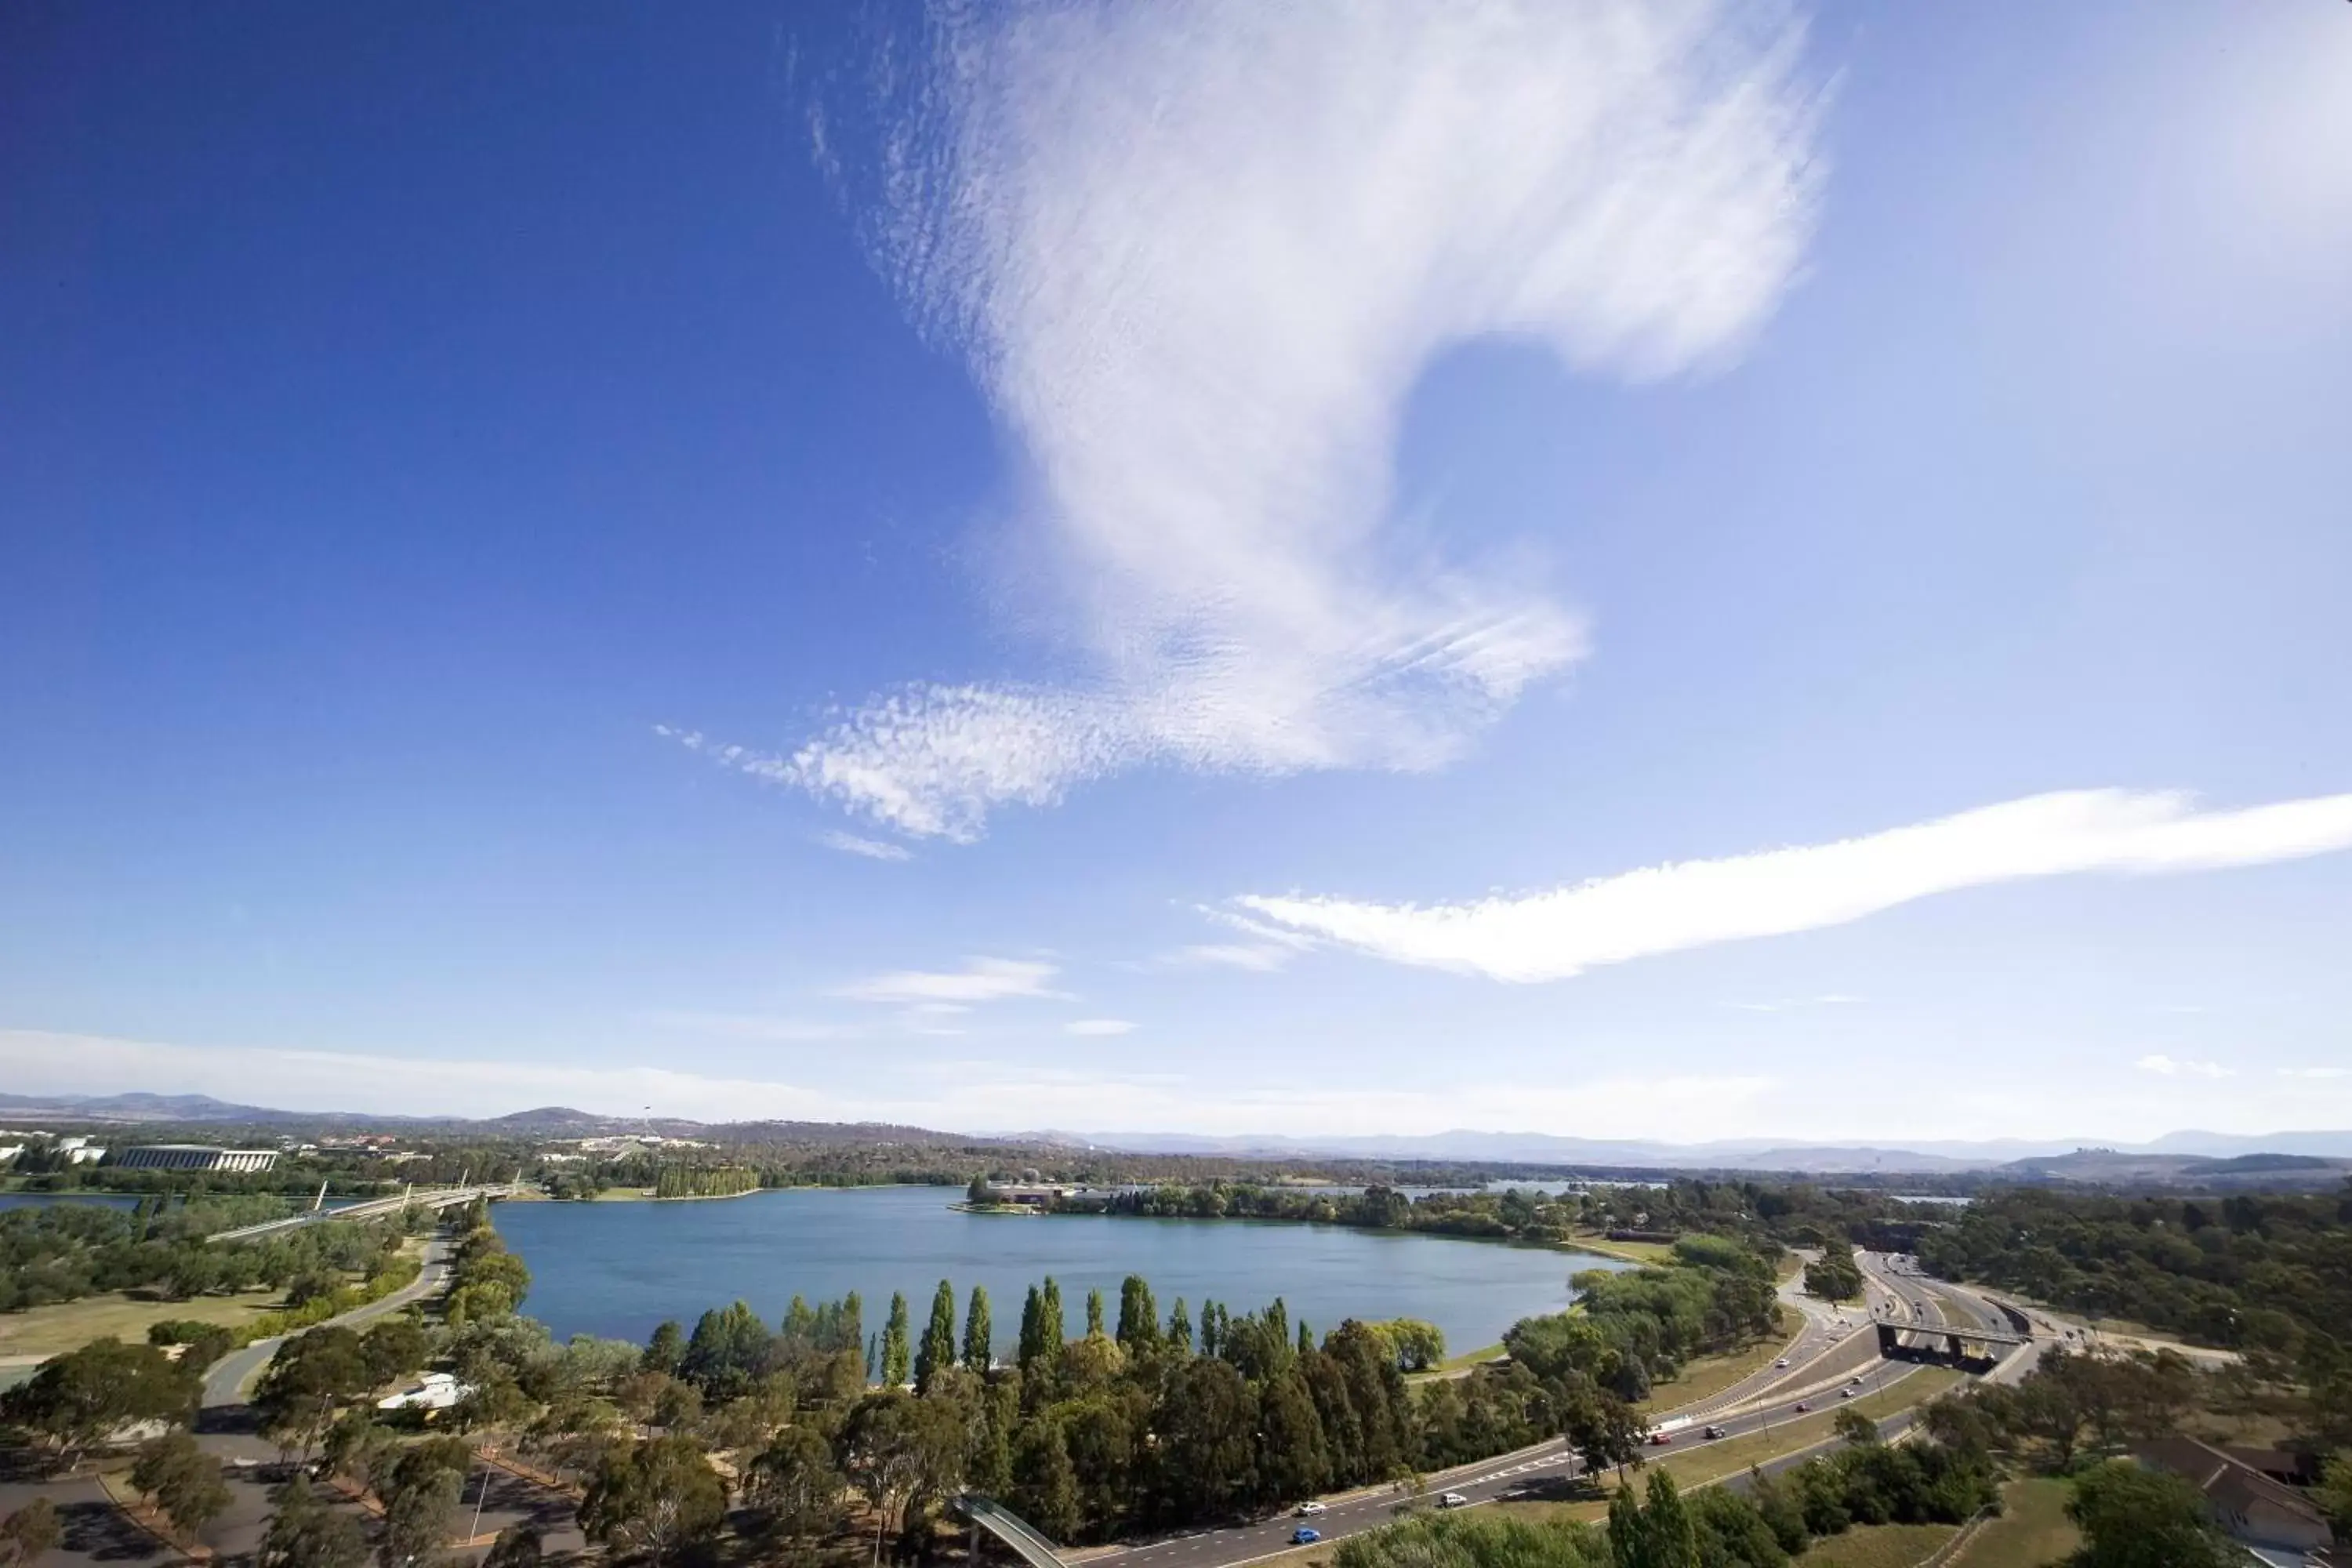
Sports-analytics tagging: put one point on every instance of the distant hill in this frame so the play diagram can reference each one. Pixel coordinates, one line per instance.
(2306, 1158)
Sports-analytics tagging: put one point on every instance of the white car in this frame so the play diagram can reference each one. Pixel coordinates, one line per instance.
(1454, 1500)
(1307, 1508)
(1782, 1365)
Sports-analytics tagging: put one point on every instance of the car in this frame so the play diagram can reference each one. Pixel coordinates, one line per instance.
(1846, 1393)
(1711, 1433)
(1307, 1508)
(1854, 1381)
(1304, 1536)
(1453, 1500)
(1803, 1407)
(1660, 1439)
(1782, 1364)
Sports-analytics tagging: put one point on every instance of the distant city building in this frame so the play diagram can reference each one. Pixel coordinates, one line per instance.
(84, 1154)
(195, 1157)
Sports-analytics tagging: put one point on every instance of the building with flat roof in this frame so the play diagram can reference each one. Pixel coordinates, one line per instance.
(196, 1157)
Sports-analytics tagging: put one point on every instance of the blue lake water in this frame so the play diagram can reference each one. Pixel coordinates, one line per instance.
(42, 1200)
(619, 1269)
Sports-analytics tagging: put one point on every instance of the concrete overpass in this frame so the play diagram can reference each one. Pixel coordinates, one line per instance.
(436, 1198)
(988, 1514)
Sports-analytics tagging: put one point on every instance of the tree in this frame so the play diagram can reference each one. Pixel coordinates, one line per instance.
(666, 1348)
(1658, 1534)
(1050, 1326)
(2132, 1518)
(730, 1351)
(1094, 1312)
(1139, 1315)
(306, 1533)
(518, 1546)
(1602, 1428)
(1293, 1461)
(1732, 1531)
(938, 1350)
(1044, 1483)
(183, 1480)
(1854, 1427)
(896, 1448)
(421, 1507)
(393, 1349)
(309, 1376)
(1836, 1277)
(795, 1484)
(895, 1355)
(28, 1532)
(980, 1192)
(657, 1497)
(2334, 1493)
(80, 1397)
(977, 1331)
(1180, 1327)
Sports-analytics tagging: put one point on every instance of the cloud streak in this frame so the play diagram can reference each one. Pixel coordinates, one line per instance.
(1670, 908)
(1196, 255)
(943, 991)
(2178, 1067)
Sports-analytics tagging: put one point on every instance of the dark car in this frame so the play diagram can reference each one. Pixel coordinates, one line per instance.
(1712, 1432)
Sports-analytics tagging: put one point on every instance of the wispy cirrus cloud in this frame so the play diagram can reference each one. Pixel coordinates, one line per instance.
(957, 990)
(868, 848)
(746, 1025)
(1791, 1004)
(2181, 1066)
(1197, 253)
(1097, 1028)
(1259, 957)
(2321, 1073)
(1665, 908)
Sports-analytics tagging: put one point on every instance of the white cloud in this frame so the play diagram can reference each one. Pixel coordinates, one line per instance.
(1666, 908)
(980, 980)
(2315, 1073)
(1791, 1004)
(1261, 957)
(746, 1025)
(1097, 1026)
(871, 848)
(1197, 255)
(2176, 1066)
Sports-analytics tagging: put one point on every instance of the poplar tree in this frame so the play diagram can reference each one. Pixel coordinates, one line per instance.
(1094, 1313)
(1033, 1330)
(939, 1347)
(1138, 1315)
(1051, 1334)
(1180, 1327)
(977, 1331)
(895, 1349)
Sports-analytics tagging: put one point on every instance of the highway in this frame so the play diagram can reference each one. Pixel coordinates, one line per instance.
(1836, 1345)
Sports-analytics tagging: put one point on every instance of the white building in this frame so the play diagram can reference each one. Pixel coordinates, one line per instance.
(434, 1390)
(195, 1157)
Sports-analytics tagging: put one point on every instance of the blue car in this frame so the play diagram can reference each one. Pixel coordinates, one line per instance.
(1303, 1536)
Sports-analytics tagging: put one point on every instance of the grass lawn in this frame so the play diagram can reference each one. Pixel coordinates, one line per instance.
(1631, 1251)
(1467, 1359)
(1877, 1546)
(2032, 1531)
(68, 1325)
(1710, 1375)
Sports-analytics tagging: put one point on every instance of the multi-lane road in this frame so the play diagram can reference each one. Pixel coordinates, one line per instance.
(1837, 1346)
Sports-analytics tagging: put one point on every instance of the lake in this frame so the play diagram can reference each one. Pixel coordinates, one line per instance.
(617, 1270)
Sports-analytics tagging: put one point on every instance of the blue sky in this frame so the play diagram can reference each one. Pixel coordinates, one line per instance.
(1589, 569)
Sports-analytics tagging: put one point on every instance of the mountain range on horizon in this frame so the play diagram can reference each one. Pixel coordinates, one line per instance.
(1462, 1144)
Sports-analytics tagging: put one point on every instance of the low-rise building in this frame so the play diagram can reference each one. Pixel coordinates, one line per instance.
(2279, 1523)
(195, 1157)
